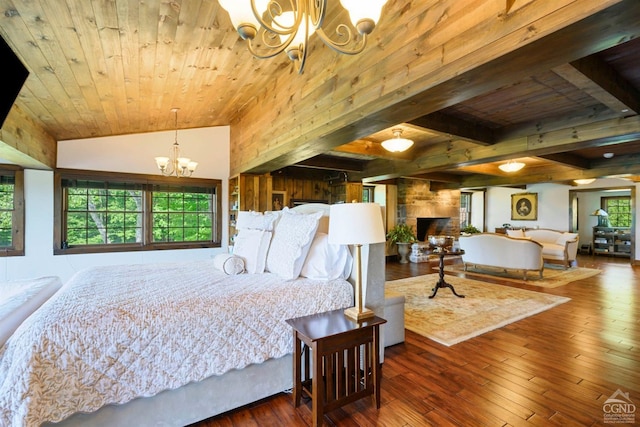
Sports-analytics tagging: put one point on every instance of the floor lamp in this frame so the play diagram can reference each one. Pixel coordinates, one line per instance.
(356, 224)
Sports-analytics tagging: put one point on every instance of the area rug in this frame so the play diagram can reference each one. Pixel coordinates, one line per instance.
(552, 276)
(449, 320)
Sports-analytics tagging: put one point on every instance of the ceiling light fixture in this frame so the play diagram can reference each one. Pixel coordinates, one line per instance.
(174, 164)
(287, 25)
(511, 166)
(607, 155)
(397, 144)
(584, 181)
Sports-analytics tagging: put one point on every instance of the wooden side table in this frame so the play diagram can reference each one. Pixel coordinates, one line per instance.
(341, 360)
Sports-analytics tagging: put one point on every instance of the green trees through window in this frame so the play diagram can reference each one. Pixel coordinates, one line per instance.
(109, 212)
(619, 210)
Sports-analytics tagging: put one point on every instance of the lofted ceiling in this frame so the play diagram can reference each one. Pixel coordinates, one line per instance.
(100, 68)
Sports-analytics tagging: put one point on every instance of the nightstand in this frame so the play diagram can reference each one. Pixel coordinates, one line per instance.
(342, 354)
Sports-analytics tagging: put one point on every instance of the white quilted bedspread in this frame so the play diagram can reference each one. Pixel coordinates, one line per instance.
(115, 333)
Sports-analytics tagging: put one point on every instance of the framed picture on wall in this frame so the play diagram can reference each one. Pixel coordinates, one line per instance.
(524, 206)
(278, 200)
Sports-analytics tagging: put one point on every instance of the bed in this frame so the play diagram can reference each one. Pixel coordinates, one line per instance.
(169, 362)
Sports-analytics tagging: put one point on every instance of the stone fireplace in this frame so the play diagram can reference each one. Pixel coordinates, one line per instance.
(428, 209)
(432, 226)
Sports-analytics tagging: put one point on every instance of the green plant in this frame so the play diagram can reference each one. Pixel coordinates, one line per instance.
(470, 229)
(401, 233)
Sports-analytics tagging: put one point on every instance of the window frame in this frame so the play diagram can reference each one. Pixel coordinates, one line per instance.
(18, 214)
(467, 214)
(149, 184)
(604, 204)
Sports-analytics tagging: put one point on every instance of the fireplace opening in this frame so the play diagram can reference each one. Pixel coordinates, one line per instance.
(432, 226)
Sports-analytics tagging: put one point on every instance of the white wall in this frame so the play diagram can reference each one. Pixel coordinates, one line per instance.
(130, 154)
(553, 206)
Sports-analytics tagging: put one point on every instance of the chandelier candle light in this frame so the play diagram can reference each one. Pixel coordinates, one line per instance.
(174, 164)
(287, 25)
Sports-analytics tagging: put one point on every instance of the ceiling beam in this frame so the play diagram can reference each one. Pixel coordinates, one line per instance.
(608, 132)
(364, 147)
(597, 78)
(568, 159)
(333, 163)
(422, 84)
(443, 123)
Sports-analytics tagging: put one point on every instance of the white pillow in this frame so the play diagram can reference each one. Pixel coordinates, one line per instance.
(256, 220)
(292, 238)
(565, 237)
(229, 264)
(519, 233)
(252, 247)
(326, 261)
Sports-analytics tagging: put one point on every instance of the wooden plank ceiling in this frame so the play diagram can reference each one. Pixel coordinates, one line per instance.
(100, 68)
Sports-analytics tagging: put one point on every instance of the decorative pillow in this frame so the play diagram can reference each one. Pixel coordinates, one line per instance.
(326, 261)
(519, 233)
(256, 220)
(292, 238)
(229, 264)
(565, 237)
(252, 247)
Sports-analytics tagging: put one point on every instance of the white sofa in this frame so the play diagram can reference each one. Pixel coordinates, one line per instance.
(556, 245)
(499, 250)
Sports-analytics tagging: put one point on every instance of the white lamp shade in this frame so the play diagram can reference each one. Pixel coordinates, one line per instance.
(240, 11)
(397, 145)
(363, 9)
(355, 224)
(600, 212)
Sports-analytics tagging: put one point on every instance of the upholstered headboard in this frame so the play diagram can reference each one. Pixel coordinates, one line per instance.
(373, 260)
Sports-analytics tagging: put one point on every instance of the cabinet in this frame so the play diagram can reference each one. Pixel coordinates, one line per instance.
(612, 241)
(234, 206)
(247, 192)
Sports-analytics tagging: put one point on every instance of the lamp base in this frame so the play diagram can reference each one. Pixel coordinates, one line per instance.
(353, 314)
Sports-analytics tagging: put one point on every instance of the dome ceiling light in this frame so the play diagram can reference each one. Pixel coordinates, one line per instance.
(511, 166)
(397, 144)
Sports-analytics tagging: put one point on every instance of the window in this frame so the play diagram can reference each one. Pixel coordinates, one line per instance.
(619, 210)
(367, 194)
(11, 211)
(465, 210)
(100, 212)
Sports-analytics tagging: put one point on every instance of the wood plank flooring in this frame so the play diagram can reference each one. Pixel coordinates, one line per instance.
(554, 368)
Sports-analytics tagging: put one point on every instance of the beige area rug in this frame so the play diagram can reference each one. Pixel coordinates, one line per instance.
(449, 320)
(552, 277)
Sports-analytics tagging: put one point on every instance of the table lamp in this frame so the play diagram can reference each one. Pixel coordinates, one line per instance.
(603, 217)
(356, 224)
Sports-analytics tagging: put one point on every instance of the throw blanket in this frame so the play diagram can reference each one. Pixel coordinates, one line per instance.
(115, 333)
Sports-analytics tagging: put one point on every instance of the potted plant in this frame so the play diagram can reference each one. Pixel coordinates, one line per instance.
(402, 235)
(469, 229)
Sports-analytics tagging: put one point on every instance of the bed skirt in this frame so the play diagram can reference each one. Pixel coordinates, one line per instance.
(195, 401)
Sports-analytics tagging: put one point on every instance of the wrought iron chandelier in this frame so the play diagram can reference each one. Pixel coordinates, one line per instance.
(175, 164)
(273, 26)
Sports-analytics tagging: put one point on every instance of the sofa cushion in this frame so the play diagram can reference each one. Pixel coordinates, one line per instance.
(565, 237)
(553, 250)
(519, 233)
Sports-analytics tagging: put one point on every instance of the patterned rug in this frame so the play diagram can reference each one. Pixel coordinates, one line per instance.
(552, 276)
(449, 320)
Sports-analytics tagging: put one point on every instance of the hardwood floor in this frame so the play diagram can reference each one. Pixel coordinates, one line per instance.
(555, 368)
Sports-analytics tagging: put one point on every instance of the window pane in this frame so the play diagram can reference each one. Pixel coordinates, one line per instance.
(99, 214)
(6, 215)
(188, 216)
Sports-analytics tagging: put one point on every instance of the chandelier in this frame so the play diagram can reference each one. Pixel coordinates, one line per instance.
(287, 25)
(397, 144)
(511, 166)
(174, 164)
